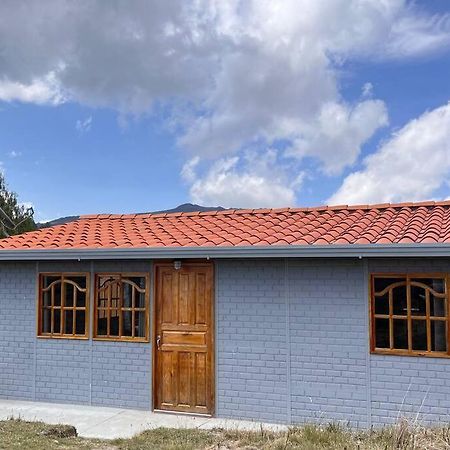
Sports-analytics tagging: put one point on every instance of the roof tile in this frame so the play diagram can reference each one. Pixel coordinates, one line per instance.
(424, 222)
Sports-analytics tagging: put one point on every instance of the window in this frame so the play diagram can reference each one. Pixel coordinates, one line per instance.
(122, 307)
(63, 305)
(409, 315)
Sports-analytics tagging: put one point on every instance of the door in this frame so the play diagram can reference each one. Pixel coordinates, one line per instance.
(183, 356)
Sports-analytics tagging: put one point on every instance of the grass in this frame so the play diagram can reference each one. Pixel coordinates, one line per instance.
(17, 434)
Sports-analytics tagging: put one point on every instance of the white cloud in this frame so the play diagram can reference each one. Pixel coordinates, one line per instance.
(233, 75)
(43, 90)
(412, 165)
(84, 126)
(14, 154)
(249, 182)
(339, 133)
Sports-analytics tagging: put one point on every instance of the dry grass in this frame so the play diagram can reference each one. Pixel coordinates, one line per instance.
(17, 434)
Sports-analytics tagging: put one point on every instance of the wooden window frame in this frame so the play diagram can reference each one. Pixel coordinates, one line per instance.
(409, 317)
(62, 307)
(146, 309)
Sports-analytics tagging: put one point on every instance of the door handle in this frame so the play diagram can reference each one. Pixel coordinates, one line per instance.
(158, 342)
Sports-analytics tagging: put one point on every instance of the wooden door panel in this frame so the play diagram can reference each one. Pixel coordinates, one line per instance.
(184, 329)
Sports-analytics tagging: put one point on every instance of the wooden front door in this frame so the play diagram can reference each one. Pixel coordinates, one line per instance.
(183, 376)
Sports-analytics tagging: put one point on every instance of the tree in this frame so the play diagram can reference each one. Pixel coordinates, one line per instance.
(15, 218)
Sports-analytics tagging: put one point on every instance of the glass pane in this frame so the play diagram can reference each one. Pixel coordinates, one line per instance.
(399, 301)
(382, 304)
(139, 324)
(400, 334)
(114, 323)
(115, 295)
(382, 333)
(419, 335)
(437, 306)
(68, 297)
(418, 303)
(437, 284)
(57, 321)
(48, 280)
(80, 322)
(127, 294)
(57, 296)
(81, 299)
(79, 281)
(382, 283)
(140, 300)
(438, 336)
(126, 323)
(102, 324)
(46, 298)
(68, 322)
(46, 321)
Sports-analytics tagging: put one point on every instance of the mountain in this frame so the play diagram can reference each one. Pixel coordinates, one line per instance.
(185, 207)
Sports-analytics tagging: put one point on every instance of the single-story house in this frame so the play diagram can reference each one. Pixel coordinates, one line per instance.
(283, 315)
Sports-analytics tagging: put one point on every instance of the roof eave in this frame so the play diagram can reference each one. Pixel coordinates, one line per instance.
(274, 251)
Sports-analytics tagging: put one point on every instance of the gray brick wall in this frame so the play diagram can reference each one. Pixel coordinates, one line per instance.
(121, 374)
(328, 341)
(17, 330)
(291, 346)
(412, 387)
(63, 370)
(251, 355)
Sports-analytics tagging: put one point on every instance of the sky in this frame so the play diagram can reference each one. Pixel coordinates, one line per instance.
(139, 106)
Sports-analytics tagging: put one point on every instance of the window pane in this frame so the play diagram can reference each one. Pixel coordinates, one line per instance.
(399, 300)
(382, 283)
(81, 299)
(419, 335)
(46, 320)
(382, 304)
(437, 284)
(79, 281)
(57, 296)
(418, 303)
(114, 323)
(126, 323)
(127, 294)
(102, 325)
(68, 322)
(438, 336)
(57, 321)
(437, 306)
(48, 280)
(80, 322)
(400, 334)
(46, 298)
(139, 324)
(382, 333)
(68, 297)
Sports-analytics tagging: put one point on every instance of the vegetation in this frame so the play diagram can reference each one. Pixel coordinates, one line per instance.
(17, 434)
(17, 218)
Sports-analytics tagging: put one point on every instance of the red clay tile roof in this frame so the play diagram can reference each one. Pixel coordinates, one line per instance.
(426, 222)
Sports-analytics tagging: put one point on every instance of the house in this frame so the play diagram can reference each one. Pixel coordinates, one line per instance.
(282, 315)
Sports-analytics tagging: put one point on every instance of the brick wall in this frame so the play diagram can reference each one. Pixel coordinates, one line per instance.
(63, 370)
(291, 346)
(251, 354)
(412, 387)
(328, 334)
(17, 330)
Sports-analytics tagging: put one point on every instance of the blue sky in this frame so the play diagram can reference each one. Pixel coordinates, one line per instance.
(143, 106)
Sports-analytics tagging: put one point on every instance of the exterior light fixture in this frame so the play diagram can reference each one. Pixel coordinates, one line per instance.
(177, 265)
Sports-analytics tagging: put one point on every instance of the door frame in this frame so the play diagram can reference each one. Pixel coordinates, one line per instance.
(170, 263)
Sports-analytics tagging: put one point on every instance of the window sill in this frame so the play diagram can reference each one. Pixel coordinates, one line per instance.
(79, 338)
(115, 339)
(410, 354)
